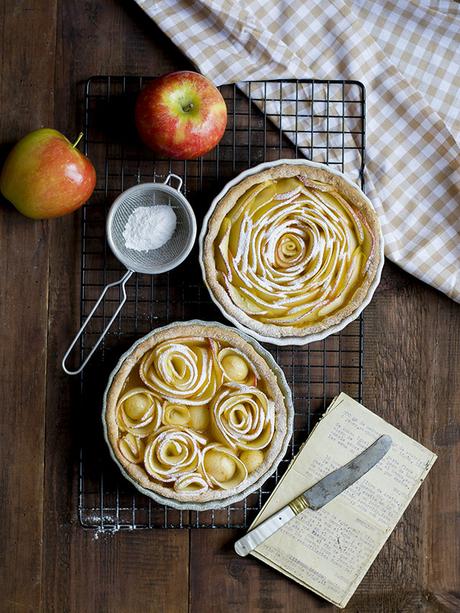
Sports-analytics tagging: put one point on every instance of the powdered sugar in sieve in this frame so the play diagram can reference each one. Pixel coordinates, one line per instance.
(149, 227)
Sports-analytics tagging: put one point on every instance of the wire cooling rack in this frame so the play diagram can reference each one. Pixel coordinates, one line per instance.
(267, 120)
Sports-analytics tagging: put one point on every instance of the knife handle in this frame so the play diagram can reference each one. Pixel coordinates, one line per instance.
(268, 527)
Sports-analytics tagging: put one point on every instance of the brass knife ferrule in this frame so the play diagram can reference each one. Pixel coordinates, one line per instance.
(299, 504)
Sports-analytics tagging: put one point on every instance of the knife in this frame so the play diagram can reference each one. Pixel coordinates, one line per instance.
(318, 495)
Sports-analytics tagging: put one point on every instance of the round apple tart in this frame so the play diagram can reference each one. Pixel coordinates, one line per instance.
(197, 413)
(291, 250)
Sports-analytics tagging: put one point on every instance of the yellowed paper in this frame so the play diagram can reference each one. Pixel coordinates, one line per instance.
(330, 550)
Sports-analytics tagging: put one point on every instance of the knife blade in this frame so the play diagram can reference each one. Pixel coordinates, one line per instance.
(318, 495)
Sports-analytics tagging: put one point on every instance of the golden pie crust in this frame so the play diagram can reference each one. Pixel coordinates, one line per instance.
(318, 179)
(267, 381)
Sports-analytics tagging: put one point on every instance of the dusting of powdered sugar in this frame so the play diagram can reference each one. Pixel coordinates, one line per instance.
(149, 227)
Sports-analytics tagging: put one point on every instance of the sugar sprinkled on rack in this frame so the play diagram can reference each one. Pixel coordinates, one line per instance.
(149, 227)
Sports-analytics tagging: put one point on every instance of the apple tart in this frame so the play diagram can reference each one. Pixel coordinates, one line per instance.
(197, 413)
(291, 251)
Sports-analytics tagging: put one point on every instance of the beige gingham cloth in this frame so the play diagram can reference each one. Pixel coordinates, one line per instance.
(406, 53)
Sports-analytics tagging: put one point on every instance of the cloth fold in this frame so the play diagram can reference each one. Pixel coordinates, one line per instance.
(407, 55)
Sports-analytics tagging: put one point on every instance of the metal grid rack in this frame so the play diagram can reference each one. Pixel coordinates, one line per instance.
(321, 120)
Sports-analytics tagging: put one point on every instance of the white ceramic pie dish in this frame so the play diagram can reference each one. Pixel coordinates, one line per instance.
(232, 498)
(287, 340)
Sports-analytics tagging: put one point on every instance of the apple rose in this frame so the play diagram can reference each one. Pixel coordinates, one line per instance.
(242, 417)
(176, 415)
(195, 417)
(139, 412)
(193, 483)
(132, 448)
(172, 452)
(221, 467)
(184, 371)
(292, 251)
(236, 366)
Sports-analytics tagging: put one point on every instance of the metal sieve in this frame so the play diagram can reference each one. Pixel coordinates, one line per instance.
(153, 262)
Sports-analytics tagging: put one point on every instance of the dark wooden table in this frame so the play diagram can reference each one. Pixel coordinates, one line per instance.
(47, 561)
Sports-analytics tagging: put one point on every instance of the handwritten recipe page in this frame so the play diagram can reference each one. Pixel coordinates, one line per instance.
(330, 550)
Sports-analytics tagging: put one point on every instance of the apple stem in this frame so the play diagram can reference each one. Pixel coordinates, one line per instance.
(188, 107)
(80, 136)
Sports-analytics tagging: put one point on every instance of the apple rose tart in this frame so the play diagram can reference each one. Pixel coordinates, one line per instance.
(291, 251)
(197, 413)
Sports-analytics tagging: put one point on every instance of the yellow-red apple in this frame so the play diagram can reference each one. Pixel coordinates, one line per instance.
(45, 175)
(181, 115)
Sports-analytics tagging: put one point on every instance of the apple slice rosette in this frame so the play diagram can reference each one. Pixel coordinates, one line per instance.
(139, 412)
(291, 251)
(132, 447)
(195, 417)
(176, 415)
(172, 452)
(221, 467)
(236, 366)
(183, 370)
(242, 417)
(191, 484)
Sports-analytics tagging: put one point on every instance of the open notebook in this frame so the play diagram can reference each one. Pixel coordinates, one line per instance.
(330, 550)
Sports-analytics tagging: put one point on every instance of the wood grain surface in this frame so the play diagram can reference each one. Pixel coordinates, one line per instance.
(48, 562)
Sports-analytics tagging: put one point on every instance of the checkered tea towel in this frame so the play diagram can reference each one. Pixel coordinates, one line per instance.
(407, 54)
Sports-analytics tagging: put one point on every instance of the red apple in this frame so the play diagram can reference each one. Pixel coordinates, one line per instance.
(181, 115)
(45, 175)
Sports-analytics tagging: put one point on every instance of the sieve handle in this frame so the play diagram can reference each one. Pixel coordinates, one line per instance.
(171, 175)
(122, 283)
